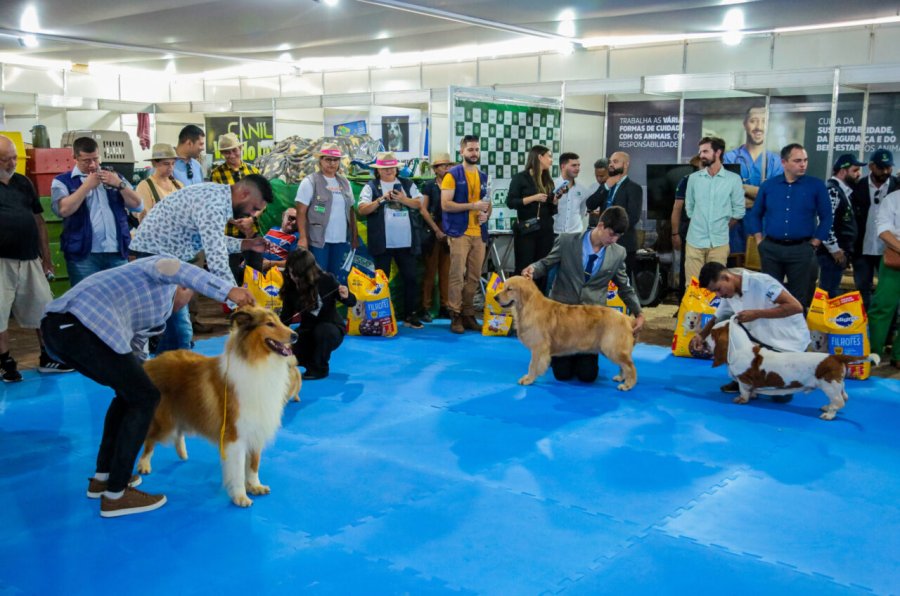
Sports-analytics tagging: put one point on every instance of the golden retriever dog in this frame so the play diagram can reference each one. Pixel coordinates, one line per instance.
(256, 375)
(549, 328)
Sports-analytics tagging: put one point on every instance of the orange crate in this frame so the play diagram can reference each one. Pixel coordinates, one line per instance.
(49, 161)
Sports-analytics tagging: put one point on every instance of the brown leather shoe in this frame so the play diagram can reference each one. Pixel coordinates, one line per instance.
(133, 501)
(471, 323)
(97, 487)
(456, 323)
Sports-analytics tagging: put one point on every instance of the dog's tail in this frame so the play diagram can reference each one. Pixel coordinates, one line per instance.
(874, 358)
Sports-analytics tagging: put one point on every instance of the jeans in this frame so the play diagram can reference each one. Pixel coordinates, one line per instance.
(830, 274)
(406, 265)
(179, 332)
(330, 258)
(94, 262)
(131, 411)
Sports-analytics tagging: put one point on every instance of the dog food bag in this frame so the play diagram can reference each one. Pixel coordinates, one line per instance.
(840, 326)
(613, 300)
(697, 307)
(497, 321)
(265, 287)
(374, 313)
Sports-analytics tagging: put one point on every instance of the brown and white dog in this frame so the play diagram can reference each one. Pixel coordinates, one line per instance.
(550, 328)
(257, 372)
(760, 370)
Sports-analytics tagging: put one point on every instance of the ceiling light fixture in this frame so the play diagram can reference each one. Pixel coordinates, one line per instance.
(566, 25)
(330, 2)
(733, 25)
(29, 20)
(29, 41)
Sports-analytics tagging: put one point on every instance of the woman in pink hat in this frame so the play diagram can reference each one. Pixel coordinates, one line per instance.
(325, 216)
(392, 207)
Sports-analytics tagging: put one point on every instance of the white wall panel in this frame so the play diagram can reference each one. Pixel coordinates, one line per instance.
(356, 81)
(578, 65)
(508, 70)
(887, 45)
(186, 90)
(222, 90)
(653, 60)
(149, 87)
(440, 129)
(305, 84)
(461, 74)
(261, 88)
(87, 85)
(27, 80)
(396, 79)
(821, 49)
(583, 134)
(753, 53)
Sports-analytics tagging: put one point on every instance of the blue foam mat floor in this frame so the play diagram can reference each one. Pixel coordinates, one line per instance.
(421, 467)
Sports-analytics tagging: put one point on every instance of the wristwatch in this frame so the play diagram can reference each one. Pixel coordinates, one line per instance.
(122, 185)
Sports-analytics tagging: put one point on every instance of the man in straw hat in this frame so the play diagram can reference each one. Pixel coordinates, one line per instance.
(325, 216)
(435, 247)
(232, 170)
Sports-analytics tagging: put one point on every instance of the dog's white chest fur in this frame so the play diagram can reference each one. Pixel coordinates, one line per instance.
(260, 390)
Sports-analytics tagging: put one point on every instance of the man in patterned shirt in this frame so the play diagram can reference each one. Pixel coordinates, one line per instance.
(101, 326)
(193, 219)
(232, 170)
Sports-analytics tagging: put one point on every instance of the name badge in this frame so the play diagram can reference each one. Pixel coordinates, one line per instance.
(319, 208)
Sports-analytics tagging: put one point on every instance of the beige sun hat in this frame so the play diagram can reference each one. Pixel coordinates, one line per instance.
(162, 151)
(229, 141)
(385, 160)
(441, 158)
(329, 150)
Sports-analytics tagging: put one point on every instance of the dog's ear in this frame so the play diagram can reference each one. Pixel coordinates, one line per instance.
(720, 353)
(241, 318)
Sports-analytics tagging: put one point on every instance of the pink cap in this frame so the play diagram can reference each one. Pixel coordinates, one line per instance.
(386, 163)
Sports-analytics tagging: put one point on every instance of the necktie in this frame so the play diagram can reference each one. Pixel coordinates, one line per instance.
(589, 268)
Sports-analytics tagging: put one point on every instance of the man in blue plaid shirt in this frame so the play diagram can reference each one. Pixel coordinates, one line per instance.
(101, 327)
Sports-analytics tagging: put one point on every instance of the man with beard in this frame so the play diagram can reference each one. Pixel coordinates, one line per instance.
(621, 190)
(24, 262)
(757, 166)
(714, 203)
(193, 219)
(834, 254)
(465, 209)
(794, 211)
(868, 194)
(191, 143)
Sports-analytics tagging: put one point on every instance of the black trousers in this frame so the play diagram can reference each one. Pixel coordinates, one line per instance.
(530, 248)
(798, 263)
(131, 411)
(584, 367)
(250, 259)
(406, 264)
(314, 346)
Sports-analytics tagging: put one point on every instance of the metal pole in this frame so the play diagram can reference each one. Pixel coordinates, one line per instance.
(835, 91)
(863, 125)
(680, 128)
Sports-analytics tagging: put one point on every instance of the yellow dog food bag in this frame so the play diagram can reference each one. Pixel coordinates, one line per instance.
(839, 326)
(265, 287)
(497, 320)
(697, 307)
(613, 300)
(373, 314)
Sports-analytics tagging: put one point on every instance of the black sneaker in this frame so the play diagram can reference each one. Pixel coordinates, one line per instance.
(426, 317)
(314, 374)
(10, 371)
(413, 322)
(46, 364)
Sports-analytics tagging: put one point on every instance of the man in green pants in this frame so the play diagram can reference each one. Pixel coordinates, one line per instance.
(887, 294)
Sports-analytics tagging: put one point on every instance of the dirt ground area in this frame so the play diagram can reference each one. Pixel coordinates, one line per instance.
(657, 331)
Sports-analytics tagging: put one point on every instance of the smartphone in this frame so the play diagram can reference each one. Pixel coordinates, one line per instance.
(561, 190)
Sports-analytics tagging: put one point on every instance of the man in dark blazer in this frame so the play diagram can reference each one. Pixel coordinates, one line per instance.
(621, 190)
(868, 193)
(587, 262)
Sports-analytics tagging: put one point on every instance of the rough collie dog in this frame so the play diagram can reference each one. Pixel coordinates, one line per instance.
(258, 374)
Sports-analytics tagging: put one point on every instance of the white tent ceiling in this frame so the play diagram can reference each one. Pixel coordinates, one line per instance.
(203, 35)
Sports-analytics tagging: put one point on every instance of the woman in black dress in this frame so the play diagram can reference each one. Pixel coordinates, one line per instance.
(531, 195)
(309, 296)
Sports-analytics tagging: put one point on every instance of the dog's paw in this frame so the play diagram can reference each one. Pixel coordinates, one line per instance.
(827, 415)
(618, 378)
(624, 387)
(181, 448)
(741, 400)
(144, 467)
(258, 489)
(296, 397)
(526, 380)
(241, 501)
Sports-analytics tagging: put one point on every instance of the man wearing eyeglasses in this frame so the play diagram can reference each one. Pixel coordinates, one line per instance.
(866, 199)
(191, 143)
(93, 203)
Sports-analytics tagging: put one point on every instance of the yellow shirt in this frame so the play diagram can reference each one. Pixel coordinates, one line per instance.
(474, 182)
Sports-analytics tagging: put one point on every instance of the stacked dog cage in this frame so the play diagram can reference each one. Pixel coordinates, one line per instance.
(114, 146)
